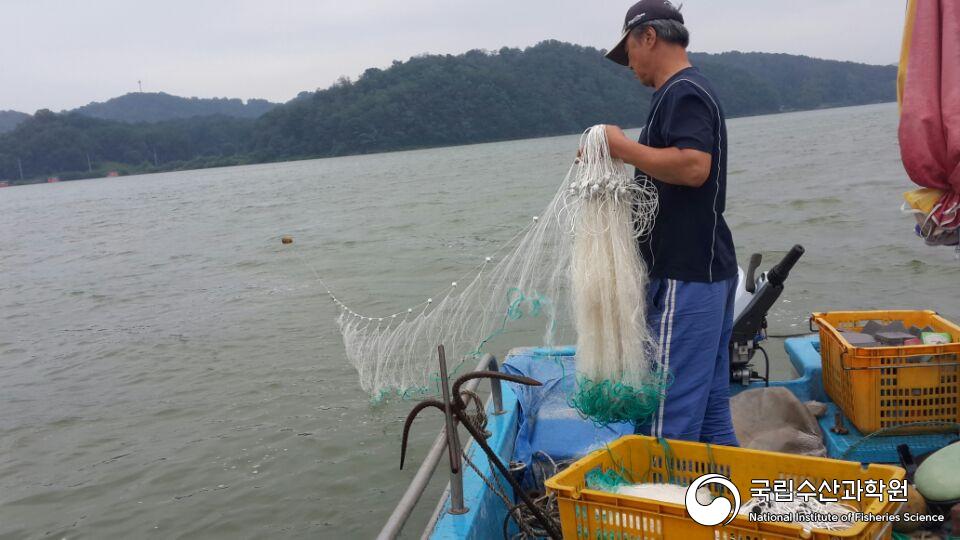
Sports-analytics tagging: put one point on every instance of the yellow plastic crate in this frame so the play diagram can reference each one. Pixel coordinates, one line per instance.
(592, 514)
(885, 387)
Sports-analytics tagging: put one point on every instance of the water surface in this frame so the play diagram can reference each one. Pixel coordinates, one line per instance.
(168, 369)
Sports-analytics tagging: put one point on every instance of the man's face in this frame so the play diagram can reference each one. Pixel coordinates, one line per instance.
(640, 55)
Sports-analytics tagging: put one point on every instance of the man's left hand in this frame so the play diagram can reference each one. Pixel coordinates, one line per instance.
(616, 140)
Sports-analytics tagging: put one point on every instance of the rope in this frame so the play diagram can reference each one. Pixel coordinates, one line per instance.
(527, 522)
(530, 528)
(479, 416)
(498, 489)
(538, 465)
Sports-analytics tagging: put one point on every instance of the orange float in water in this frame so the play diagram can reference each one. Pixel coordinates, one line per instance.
(287, 239)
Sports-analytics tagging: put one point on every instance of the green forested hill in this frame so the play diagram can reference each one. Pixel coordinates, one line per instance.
(801, 82)
(549, 89)
(432, 100)
(160, 106)
(10, 119)
(71, 145)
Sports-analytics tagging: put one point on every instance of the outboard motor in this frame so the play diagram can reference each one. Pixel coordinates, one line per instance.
(755, 296)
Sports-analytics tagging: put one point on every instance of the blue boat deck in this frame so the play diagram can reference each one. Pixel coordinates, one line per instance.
(804, 353)
(487, 513)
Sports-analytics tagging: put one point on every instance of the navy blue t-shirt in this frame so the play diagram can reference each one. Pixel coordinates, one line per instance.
(690, 239)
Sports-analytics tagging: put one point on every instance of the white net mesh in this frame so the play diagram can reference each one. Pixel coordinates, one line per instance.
(578, 260)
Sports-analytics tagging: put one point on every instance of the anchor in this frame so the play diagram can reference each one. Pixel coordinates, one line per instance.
(455, 411)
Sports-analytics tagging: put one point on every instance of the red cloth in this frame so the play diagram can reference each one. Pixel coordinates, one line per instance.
(930, 114)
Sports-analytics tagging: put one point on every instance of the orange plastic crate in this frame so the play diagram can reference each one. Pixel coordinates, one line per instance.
(592, 514)
(886, 387)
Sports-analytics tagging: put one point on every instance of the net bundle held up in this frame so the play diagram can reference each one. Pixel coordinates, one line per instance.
(577, 262)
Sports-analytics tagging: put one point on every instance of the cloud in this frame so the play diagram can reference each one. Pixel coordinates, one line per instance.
(65, 54)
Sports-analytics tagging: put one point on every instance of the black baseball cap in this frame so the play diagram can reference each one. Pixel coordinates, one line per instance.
(642, 12)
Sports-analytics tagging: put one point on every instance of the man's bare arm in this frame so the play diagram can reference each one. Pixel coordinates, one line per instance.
(682, 167)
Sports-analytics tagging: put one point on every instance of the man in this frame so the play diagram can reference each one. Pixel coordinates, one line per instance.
(690, 256)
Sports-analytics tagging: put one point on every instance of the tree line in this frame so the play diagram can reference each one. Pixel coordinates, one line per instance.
(431, 100)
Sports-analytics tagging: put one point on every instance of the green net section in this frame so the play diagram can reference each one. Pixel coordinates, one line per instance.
(609, 480)
(617, 474)
(608, 402)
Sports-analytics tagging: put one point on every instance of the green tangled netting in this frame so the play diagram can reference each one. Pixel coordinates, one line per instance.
(608, 402)
(609, 480)
(617, 474)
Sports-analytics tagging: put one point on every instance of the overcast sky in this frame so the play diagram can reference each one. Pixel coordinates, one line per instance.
(63, 54)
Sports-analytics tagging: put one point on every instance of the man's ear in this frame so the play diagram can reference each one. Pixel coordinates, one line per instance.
(650, 36)
(644, 37)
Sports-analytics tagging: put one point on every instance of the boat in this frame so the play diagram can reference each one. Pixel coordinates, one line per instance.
(486, 512)
(473, 506)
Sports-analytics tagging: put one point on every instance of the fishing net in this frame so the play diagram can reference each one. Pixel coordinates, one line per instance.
(578, 261)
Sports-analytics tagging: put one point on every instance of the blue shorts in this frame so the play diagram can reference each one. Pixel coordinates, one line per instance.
(692, 323)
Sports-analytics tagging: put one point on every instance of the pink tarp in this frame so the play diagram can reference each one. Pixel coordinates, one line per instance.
(930, 114)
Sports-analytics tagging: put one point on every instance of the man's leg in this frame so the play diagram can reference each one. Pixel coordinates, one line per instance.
(717, 422)
(685, 319)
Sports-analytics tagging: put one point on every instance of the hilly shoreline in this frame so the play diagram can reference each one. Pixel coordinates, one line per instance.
(552, 88)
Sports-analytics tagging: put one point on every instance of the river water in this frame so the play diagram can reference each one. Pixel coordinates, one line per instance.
(168, 369)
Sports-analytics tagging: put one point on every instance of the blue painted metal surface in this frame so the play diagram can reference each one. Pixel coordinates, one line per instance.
(804, 353)
(882, 449)
(486, 512)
